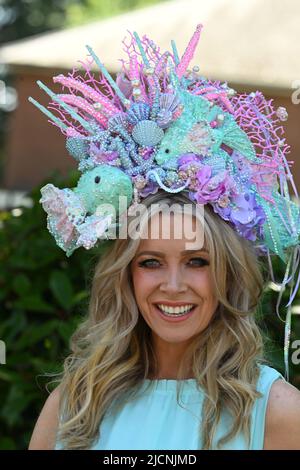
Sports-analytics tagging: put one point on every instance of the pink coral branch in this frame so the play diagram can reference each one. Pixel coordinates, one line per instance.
(223, 98)
(87, 91)
(203, 91)
(80, 102)
(134, 74)
(189, 52)
(68, 121)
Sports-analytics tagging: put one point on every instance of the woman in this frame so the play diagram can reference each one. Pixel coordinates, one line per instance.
(163, 320)
(127, 344)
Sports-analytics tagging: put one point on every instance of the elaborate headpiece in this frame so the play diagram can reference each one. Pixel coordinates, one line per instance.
(160, 125)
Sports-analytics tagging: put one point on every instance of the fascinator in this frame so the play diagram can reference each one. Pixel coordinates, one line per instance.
(160, 124)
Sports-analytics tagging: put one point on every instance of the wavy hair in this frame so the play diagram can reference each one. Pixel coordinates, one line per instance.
(111, 350)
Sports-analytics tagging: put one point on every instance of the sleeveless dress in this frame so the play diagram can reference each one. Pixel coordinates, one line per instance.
(155, 421)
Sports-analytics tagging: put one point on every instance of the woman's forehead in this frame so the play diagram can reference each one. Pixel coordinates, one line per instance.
(174, 221)
(180, 227)
(171, 244)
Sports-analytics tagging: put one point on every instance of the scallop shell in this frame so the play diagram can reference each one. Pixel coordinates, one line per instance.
(116, 121)
(138, 112)
(77, 148)
(169, 101)
(168, 105)
(147, 133)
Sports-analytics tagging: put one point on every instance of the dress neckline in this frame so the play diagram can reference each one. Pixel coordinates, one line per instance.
(170, 384)
(169, 380)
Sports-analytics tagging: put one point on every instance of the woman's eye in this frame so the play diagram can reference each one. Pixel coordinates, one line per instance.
(199, 262)
(149, 263)
(153, 263)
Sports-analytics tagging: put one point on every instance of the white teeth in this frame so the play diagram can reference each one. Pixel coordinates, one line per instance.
(175, 310)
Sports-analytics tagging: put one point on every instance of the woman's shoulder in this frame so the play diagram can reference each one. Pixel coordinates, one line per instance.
(282, 429)
(268, 374)
(44, 433)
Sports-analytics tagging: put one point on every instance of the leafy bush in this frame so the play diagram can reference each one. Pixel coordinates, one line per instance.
(273, 327)
(43, 296)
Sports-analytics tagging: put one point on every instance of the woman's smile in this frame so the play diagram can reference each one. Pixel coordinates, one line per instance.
(176, 314)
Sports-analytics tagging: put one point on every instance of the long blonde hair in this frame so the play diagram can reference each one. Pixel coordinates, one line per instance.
(112, 349)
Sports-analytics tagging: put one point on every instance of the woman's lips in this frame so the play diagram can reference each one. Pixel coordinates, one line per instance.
(174, 319)
(173, 304)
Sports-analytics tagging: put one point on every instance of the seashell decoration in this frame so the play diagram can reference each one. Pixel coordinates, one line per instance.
(77, 148)
(168, 105)
(147, 133)
(116, 121)
(138, 112)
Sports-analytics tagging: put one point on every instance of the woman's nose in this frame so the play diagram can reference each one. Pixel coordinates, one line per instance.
(173, 282)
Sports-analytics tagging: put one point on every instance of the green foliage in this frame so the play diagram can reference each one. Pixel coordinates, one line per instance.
(23, 18)
(43, 295)
(18, 20)
(273, 327)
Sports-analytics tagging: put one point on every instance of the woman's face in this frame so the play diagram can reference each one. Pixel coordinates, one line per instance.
(165, 276)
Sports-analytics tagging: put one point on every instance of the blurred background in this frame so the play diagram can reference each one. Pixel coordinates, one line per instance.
(253, 45)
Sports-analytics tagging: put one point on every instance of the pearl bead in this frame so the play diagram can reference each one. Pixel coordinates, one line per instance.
(135, 82)
(231, 92)
(149, 71)
(136, 92)
(182, 174)
(139, 182)
(127, 103)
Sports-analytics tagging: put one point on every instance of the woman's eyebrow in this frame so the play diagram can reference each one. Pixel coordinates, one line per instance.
(159, 253)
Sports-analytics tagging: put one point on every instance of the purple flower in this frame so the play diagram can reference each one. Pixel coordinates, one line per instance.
(243, 211)
(211, 189)
(188, 159)
(245, 214)
(224, 212)
(151, 188)
(246, 210)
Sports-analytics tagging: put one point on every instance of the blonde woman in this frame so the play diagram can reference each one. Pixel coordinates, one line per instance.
(118, 389)
(169, 355)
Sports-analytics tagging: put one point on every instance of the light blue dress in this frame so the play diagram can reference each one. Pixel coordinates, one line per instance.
(155, 421)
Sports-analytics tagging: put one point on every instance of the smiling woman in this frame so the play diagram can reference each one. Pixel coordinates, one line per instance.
(170, 355)
(164, 320)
